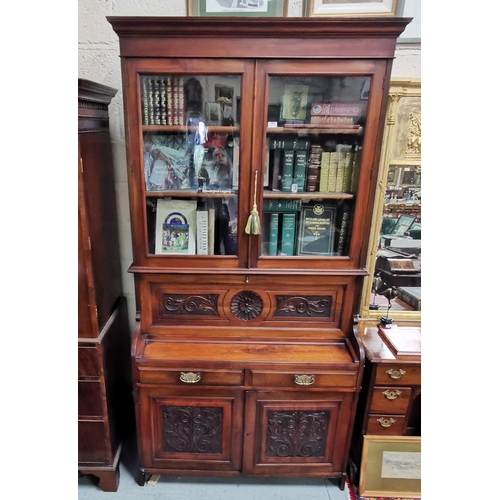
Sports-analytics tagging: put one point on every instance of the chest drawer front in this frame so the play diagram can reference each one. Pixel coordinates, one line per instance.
(191, 377)
(90, 403)
(398, 374)
(389, 425)
(390, 400)
(88, 362)
(304, 380)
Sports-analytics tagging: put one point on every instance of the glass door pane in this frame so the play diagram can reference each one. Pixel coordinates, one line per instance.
(190, 144)
(315, 130)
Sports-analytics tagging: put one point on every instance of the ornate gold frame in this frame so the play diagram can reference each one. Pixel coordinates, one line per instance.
(401, 146)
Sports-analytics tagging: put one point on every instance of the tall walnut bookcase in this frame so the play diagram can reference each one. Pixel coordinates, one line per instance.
(245, 362)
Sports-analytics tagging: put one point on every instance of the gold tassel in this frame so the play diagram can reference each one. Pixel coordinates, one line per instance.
(253, 223)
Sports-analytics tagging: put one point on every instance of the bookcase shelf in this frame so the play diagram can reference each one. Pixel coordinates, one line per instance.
(308, 196)
(189, 128)
(314, 130)
(191, 193)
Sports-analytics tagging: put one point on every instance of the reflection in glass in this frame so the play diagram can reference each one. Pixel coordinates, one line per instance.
(398, 262)
(190, 139)
(315, 130)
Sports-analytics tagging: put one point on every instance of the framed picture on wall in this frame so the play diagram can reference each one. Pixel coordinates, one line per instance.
(313, 8)
(248, 8)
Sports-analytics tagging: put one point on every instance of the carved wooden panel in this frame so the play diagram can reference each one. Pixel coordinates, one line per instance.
(189, 305)
(192, 429)
(299, 306)
(296, 433)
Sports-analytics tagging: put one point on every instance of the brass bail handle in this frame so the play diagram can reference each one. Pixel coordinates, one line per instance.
(253, 223)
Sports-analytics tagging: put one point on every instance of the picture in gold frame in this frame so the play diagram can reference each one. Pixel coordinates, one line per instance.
(390, 466)
(313, 8)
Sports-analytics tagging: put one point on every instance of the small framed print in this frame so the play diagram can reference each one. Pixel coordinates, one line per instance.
(294, 105)
(245, 8)
(313, 8)
(213, 113)
(390, 466)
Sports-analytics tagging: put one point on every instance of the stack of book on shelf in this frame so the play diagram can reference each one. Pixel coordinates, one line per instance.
(190, 227)
(314, 229)
(287, 165)
(162, 100)
(281, 216)
(339, 169)
(296, 166)
(336, 114)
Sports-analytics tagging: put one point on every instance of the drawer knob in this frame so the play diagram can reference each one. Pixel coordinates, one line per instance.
(385, 422)
(304, 379)
(395, 374)
(391, 394)
(190, 377)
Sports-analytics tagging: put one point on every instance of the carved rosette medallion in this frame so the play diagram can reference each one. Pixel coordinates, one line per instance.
(192, 429)
(297, 433)
(305, 305)
(246, 305)
(190, 305)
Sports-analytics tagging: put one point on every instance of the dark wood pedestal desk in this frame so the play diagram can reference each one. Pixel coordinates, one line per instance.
(389, 402)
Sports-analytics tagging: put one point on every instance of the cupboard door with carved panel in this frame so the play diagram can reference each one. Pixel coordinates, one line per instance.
(286, 431)
(195, 429)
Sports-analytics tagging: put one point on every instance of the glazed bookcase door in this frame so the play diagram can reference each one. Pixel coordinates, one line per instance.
(189, 152)
(315, 145)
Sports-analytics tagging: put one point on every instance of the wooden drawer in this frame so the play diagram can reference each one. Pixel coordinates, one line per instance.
(173, 377)
(88, 362)
(390, 400)
(340, 379)
(92, 442)
(90, 403)
(397, 374)
(390, 425)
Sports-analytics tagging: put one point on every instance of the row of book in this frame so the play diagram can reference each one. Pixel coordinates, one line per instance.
(297, 166)
(314, 229)
(162, 100)
(193, 227)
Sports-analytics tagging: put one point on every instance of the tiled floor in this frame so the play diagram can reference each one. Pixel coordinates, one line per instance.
(208, 488)
(212, 488)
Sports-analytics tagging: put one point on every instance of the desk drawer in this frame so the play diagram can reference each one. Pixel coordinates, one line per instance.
(398, 374)
(191, 377)
(390, 425)
(390, 400)
(301, 379)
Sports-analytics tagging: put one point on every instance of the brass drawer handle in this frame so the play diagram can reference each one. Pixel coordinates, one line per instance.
(395, 374)
(190, 377)
(304, 379)
(385, 422)
(389, 394)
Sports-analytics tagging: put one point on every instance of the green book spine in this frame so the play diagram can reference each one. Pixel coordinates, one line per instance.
(299, 169)
(281, 205)
(287, 173)
(288, 234)
(273, 233)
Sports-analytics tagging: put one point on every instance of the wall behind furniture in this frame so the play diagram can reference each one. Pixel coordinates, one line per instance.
(98, 60)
